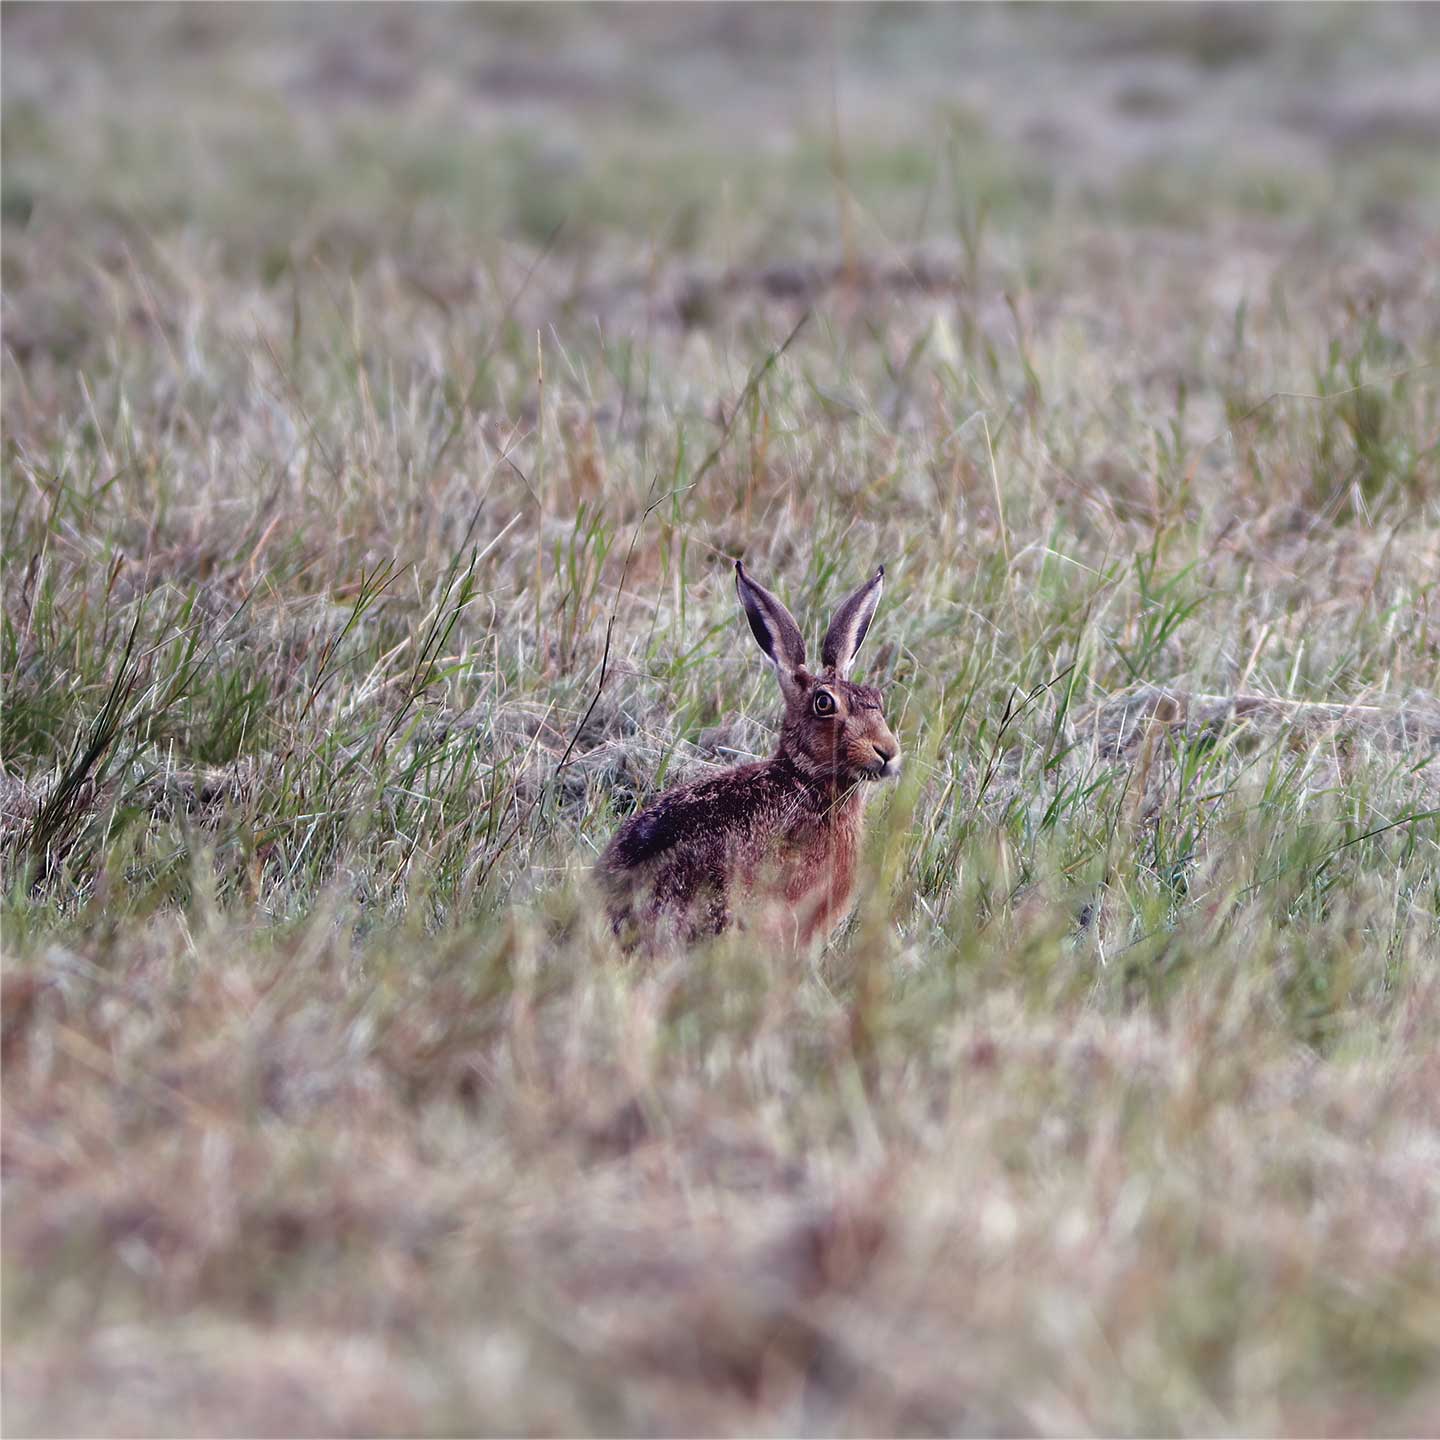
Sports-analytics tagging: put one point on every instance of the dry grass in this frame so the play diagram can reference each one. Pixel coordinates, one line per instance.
(342, 435)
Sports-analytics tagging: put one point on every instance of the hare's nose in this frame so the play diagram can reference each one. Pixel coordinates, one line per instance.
(888, 753)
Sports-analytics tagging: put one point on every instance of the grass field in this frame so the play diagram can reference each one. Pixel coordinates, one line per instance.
(387, 394)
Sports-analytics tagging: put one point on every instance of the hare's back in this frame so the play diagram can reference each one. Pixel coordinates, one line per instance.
(705, 823)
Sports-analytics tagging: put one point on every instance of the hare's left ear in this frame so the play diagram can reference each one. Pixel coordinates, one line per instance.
(851, 621)
(775, 631)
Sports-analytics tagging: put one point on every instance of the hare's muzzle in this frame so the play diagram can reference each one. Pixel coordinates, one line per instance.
(887, 760)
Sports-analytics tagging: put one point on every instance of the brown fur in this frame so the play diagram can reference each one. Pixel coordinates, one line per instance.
(773, 845)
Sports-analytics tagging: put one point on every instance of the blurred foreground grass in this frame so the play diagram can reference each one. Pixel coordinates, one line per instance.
(365, 369)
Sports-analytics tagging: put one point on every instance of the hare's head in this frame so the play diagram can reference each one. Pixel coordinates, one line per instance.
(834, 729)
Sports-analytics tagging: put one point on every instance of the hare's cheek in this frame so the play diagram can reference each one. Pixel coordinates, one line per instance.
(824, 745)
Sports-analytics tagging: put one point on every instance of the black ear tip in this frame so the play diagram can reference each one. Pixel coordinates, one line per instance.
(879, 572)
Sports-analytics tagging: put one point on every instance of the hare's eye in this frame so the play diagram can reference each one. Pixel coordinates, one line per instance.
(824, 703)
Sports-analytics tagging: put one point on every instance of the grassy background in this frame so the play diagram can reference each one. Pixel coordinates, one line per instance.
(378, 381)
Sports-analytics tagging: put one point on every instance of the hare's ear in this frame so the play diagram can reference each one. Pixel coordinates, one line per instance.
(851, 622)
(774, 626)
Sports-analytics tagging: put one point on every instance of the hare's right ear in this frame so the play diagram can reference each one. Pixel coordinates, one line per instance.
(847, 629)
(775, 629)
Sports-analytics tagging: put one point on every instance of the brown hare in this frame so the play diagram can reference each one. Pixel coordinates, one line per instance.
(772, 845)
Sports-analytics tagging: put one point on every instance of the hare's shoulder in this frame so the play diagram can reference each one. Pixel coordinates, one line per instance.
(703, 814)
